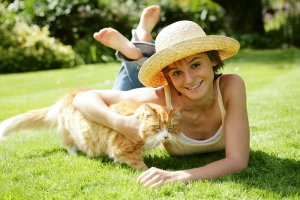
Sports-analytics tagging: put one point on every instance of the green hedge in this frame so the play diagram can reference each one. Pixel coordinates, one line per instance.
(74, 22)
(26, 47)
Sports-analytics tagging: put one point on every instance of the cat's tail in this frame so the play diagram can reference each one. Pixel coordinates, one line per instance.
(34, 119)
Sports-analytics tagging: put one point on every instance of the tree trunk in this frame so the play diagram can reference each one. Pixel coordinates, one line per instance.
(242, 17)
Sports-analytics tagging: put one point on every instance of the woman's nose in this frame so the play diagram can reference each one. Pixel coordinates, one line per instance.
(188, 77)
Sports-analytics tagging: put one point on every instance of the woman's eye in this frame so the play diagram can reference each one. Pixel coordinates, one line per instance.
(195, 65)
(176, 73)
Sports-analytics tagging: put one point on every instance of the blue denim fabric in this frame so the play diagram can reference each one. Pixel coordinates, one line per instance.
(127, 77)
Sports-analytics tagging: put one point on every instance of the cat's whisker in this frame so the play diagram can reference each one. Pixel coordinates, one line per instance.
(151, 143)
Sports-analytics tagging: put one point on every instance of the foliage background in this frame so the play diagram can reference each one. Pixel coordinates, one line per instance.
(73, 22)
(51, 34)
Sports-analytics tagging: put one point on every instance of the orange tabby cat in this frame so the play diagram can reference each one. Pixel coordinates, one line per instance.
(157, 125)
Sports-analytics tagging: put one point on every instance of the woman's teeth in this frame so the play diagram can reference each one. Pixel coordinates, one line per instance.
(194, 87)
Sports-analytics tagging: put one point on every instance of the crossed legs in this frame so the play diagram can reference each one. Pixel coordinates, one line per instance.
(112, 38)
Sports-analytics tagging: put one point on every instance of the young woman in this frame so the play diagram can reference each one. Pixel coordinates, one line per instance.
(183, 73)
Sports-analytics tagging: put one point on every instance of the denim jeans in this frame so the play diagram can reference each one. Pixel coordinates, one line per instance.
(127, 77)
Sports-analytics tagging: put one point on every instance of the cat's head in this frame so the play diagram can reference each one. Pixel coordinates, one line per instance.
(159, 124)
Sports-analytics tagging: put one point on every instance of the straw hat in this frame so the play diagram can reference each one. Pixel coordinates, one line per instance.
(177, 41)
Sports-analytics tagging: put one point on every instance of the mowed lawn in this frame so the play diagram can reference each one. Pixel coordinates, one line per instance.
(34, 165)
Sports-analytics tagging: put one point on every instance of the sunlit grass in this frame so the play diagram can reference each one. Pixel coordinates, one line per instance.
(35, 166)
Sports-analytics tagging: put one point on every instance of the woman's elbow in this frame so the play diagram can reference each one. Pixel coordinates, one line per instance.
(237, 164)
(80, 99)
(240, 165)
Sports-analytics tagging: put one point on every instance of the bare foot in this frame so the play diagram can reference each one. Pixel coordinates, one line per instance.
(112, 38)
(148, 20)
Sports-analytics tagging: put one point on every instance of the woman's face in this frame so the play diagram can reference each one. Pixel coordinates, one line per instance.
(192, 76)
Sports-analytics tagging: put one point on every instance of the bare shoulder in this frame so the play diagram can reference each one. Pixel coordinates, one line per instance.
(232, 87)
(231, 80)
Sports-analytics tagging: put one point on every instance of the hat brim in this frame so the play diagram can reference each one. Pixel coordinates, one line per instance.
(151, 74)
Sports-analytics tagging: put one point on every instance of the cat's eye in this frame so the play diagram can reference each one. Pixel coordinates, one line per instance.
(171, 126)
(156, 126)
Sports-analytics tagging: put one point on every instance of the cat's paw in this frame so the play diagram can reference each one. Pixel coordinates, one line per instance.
(4, 129)
(144, 168)
(2, 138)
(72, 151)
(141, 167)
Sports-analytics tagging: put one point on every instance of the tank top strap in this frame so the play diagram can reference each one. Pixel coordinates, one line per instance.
(168, 96)
(220, 100)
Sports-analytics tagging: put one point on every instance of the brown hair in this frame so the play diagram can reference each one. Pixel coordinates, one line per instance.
(214, 56)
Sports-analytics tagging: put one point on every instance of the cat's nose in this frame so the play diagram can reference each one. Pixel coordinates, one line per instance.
(166, 138)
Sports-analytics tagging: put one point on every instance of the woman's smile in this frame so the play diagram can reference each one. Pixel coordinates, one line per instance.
(196, 86)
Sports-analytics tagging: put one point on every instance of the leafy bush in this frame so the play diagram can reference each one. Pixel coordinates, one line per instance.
(75, 21)
(67, 19)
(282, 23)
(26, 47)
(257, 41)
(93, 52)
(291, 29)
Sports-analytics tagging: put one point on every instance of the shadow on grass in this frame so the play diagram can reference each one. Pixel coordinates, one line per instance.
(269, 172)
(265, 172)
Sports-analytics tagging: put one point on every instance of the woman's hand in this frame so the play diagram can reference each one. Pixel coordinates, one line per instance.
(130, 127)
(154, 177)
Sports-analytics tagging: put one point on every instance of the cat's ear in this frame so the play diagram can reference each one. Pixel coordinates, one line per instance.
(176, 112)
(148, 110)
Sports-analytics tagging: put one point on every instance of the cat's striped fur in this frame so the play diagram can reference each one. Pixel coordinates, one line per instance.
(157, 125)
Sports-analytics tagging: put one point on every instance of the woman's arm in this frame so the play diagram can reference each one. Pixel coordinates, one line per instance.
(236, 127)
(236, 141)
(94, 105)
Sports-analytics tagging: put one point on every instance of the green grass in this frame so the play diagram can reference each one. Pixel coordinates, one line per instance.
(35, 166)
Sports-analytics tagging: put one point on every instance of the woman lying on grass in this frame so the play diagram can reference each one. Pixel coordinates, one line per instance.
(183, 73)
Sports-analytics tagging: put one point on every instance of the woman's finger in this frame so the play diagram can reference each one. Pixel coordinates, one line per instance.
(145, 176)
(152, 180)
